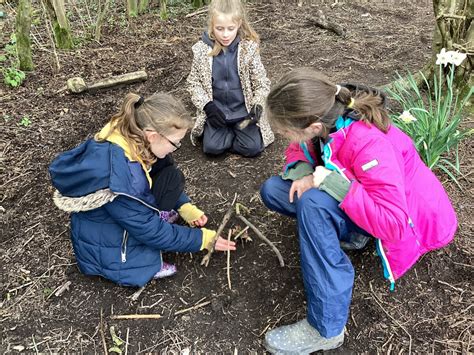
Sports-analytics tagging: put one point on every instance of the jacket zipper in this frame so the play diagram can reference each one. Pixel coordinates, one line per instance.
(124, 246)
(125, 233)
(385, 264)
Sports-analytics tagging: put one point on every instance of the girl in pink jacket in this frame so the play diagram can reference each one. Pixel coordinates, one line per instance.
(349, 173)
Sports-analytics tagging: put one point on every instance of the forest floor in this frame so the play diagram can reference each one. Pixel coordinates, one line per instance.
(430, 310)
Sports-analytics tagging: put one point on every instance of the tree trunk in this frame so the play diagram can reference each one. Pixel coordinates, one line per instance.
(455, 31)
(163, 10)
(100, 20)
(62, 32)
(198, 3)
(132, 8)
(23, 41)
(142, 6)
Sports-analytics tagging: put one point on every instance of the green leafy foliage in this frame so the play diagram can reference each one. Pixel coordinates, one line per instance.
(13, 77)
(117, 341)
(25, 121)
(432, 119)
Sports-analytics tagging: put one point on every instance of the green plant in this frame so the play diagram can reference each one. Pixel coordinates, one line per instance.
(432, 119)
(10, 47)
(13, 77)
(25, 121)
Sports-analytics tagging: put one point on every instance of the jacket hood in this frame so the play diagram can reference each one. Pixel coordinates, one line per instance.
(210, 42)
(93, 166)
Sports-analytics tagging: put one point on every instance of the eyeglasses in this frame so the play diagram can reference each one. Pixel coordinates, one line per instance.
(175, 145)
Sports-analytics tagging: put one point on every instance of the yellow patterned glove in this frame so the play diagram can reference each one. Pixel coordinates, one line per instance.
(207, 238)
(190, 213)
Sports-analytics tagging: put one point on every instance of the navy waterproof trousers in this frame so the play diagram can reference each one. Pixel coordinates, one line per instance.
(328, 274)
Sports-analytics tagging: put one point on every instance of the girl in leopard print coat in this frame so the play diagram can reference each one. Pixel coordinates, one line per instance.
(228, 84)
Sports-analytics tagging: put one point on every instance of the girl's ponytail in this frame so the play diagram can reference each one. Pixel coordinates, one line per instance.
(160, 112)
(368, 102)
(304, 96)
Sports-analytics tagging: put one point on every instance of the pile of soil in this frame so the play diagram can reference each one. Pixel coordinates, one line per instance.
(430, 310)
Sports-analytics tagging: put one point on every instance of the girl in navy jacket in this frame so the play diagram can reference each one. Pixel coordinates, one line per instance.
(122, 189)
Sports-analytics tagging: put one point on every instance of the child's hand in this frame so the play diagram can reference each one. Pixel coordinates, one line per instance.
(200, 222)
(300, 186)
(224, 245)
(221, 243)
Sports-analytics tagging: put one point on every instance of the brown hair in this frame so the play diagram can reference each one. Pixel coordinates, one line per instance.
(236, 9)
(304, 96)
(160, 112)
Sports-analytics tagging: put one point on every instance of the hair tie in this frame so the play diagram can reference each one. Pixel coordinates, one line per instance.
(139, 102)
(338, 88)
(351, 103)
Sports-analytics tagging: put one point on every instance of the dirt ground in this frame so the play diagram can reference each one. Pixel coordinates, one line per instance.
(430, 310)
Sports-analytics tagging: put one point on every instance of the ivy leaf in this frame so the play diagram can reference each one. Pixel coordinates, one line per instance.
(115, 349)
(116, 339)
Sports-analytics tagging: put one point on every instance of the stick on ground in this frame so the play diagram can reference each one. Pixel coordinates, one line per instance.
(137, 316)
(227, 216)
(228, 261)
(102, 333)
(192, 308)
(262, 237)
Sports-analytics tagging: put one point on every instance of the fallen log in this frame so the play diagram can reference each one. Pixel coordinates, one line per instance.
(77, 85)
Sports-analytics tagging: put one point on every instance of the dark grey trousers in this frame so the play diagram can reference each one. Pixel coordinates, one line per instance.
(247, 142)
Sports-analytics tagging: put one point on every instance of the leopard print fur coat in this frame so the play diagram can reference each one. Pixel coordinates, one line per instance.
(253, 78)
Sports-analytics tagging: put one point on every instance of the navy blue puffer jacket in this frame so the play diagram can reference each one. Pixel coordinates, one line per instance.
(116, 230)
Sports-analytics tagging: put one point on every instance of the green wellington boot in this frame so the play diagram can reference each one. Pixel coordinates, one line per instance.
(299, 338)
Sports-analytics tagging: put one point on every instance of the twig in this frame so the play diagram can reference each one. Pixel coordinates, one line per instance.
(241, 232)
(228, 261)
(454, 288)
(198, 12)
(192, 308)
(63, 288)
(227, 216)
(388, 314)
(261, 236)
(137, 294)
(126, 342)
(34, 344)
(102, 334)
(58, 291)
(136, 316)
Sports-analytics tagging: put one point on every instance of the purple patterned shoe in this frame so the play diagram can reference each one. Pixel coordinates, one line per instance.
(169, 216)
(166, 271)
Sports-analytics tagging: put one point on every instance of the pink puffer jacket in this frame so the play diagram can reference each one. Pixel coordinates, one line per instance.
(393, 194)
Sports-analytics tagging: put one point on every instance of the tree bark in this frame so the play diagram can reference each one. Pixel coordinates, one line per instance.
(101, 19)
(61, 29)
(23, 41)
(163, 10)
(132, 8)
(454, 30)
(142, 6)
(198, 3)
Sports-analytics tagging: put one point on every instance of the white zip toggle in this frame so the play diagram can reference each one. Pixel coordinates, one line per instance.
(124, 247)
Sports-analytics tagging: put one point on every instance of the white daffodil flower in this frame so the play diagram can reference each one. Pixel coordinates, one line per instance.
(443, 58)
(457, 58)
(407, 117)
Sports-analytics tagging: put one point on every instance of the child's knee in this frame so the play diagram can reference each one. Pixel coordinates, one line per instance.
(250, 149)
(269, 189)
(315, 200)
(213, 149)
